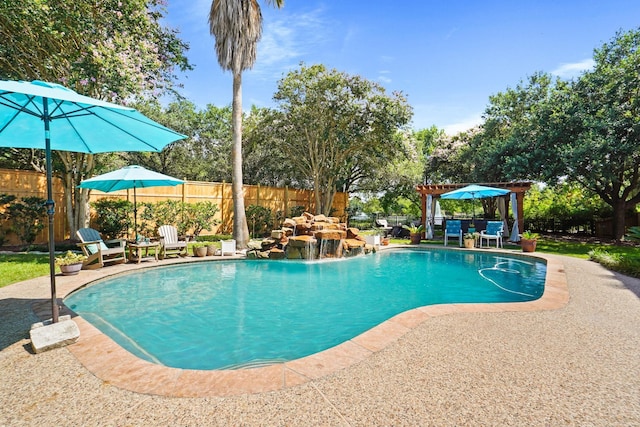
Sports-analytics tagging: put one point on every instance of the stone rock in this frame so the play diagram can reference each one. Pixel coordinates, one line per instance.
(276, 253)
(354, 243)
(301, 241)
(289, 223)
(330, 234)
(308, 216)
(303, 228)
(320, 218)
(254, 244)
(277, 234)
(53, 335)
(352, 232)
(252, 255)
(293, 252)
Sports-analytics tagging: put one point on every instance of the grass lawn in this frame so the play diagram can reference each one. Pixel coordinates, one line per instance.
(23, 266)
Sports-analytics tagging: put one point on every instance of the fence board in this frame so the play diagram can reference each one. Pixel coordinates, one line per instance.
(29, 183)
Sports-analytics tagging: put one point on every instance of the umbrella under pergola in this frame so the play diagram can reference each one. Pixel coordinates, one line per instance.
(50, 116)
(474, 192)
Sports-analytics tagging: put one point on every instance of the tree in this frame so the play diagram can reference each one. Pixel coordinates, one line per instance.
(587, 130)
(237, 27)
(111, 50)
(337, 128)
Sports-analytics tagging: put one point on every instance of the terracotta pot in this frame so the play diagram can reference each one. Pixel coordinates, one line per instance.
(211, 250)
(469, 243)
(199, 251)
(71, 270)
(528, 245)
(415, 238)
(385, 241)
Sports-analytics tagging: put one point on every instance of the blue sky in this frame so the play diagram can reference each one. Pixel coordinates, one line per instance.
(448, 57)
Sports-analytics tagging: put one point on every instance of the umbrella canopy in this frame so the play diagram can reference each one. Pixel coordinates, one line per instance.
(474, 192)
(49, 116)
(130, 177)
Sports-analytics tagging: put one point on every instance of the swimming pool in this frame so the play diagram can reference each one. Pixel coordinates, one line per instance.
(217, 315)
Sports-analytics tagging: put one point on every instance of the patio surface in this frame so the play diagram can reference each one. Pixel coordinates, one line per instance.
(570, 358)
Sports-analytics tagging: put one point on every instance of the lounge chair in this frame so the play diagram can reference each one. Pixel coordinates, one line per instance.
(228, 247)
(493, 232)
(383, 225)
(170, 243)
(453, 228)
(96, 250)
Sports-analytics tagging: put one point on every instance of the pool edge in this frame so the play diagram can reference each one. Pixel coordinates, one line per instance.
(114, 365)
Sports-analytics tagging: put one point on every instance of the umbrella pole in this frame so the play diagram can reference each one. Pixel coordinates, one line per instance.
(135, 215)
(50, 204)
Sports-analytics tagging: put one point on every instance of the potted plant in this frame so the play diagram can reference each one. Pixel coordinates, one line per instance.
(469, 240)
(199, 249)
(70, 263)
(415, 233)
(528, 241)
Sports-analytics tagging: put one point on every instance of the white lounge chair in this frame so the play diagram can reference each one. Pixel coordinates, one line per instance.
(97, 252)
(170, 243)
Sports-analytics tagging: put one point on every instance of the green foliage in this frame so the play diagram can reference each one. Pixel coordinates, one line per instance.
(166, 212)
(5, 199)
(335, 127)
(624, 263)
(28, 217)
(414, 229)
(528, 235)
(200, 216)
(70, 258)
(634, 233)
(113, 217)
(260, 220)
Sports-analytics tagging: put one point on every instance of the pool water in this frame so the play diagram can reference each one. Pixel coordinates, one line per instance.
(232, 314)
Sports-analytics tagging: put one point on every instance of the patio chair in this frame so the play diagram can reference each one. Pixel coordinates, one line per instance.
(170, 242)
(493, 232)
(384, 226)
(96, 250)
(228, 247)
(453, 228)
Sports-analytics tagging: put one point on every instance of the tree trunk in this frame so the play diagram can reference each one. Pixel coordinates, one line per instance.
(77, 166)
(240, 227)
(619, 212)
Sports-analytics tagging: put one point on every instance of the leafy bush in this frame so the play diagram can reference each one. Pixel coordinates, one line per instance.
(616, 262)
(114, 217)
(200, 216)
(5, 199)
(28, 217)
(260, 220)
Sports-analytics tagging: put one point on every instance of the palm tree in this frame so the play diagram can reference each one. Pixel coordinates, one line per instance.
(236, 26)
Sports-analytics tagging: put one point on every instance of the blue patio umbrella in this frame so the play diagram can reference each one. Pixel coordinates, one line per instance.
(474, 192)
(130, 177)
(49, 116)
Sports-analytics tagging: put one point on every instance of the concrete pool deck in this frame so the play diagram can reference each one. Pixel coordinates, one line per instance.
(571, 357)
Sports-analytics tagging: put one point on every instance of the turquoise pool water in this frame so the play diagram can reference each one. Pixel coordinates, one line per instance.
(231, 314)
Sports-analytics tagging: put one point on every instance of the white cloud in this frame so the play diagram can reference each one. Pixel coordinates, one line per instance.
(286, 40)
(463, 125)
(574, 69)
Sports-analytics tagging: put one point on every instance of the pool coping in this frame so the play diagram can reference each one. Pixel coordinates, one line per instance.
(105, 359)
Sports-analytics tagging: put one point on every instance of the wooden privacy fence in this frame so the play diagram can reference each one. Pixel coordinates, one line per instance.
(29, 183)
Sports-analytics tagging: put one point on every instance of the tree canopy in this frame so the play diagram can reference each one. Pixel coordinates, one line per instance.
(336, 128)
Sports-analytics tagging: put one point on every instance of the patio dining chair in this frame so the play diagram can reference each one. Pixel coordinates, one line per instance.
(453, 228)
(493, 232)
(96, 250)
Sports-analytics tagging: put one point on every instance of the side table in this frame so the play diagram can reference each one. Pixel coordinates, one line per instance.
(135, 250)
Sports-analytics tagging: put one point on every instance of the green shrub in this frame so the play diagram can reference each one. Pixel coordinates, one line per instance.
(113, 217)
(28, 217)
(200, 216)
(260, 220)
(5, 199)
